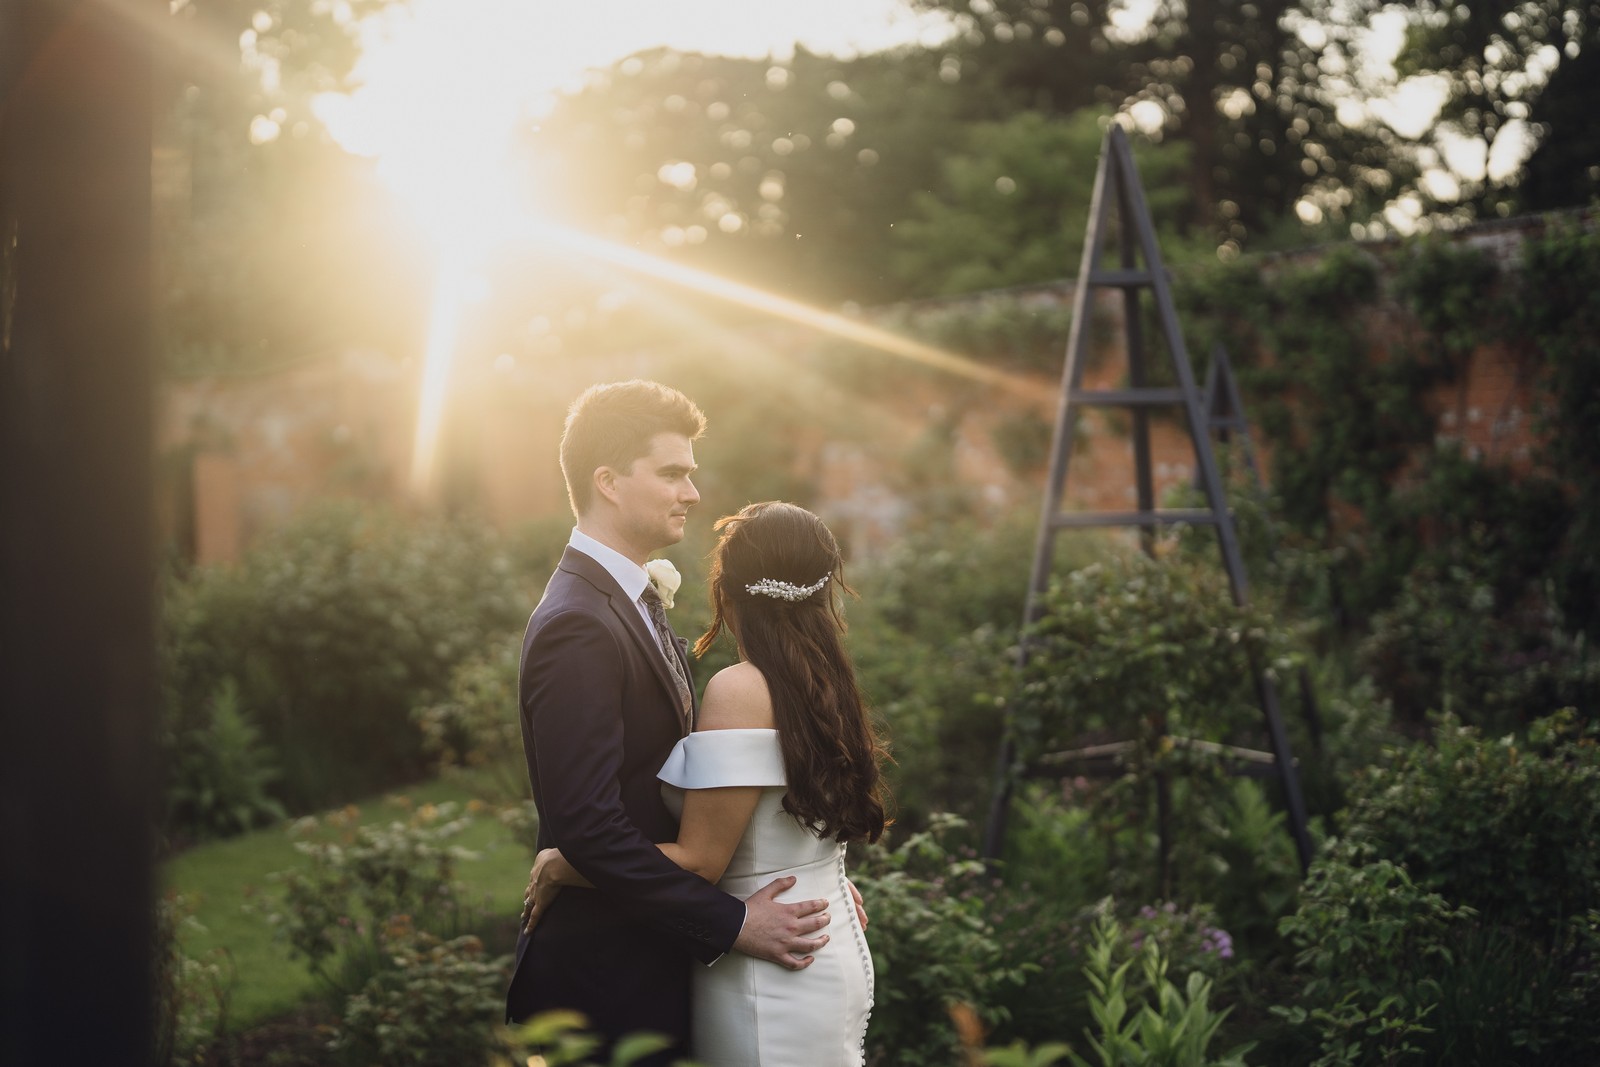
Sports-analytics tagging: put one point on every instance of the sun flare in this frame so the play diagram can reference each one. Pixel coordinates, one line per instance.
(443, 88)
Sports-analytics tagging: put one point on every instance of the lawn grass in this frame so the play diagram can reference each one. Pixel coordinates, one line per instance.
(221, 877)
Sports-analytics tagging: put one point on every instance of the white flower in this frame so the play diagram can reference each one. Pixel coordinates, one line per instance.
(665, 578)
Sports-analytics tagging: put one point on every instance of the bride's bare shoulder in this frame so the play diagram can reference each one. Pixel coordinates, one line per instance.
(736, 699)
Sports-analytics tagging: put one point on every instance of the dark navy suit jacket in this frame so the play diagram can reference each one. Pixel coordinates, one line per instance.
(599, 717)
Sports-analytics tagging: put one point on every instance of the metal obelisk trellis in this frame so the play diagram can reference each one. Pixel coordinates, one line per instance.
(1225, 411)
(1225, 417)
(1117, 183)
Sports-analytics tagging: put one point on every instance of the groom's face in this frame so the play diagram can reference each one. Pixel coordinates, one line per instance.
(654, 496)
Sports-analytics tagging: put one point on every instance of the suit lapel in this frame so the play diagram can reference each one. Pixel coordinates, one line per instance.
(589, 570)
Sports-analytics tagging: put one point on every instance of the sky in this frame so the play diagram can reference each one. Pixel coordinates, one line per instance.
(460, 74)
(457, 77)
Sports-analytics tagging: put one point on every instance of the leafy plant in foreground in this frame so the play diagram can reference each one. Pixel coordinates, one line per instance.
(1166, 1027)
(934, 949)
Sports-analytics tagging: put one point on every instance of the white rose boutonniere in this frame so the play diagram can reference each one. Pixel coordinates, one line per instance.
(664, 577)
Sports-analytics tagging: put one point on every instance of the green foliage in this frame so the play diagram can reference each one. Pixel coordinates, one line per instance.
(1478, 576)
(1369, 943)
(436, 1006)
(1168, 1027)
(1018, 1054)
(1023, 441)
(1015, 330)
(1341, 422)
(1556, 318)
(475, 731)
(334, 628)
(1511, 829)
(816, 196)
(934, 949)
(474, 725)
(1456, 917)
(932, 639)
(219, 772)
(191, 993)
(561, 1040)
(1155, 656)
(1448, 644)
(1338, 419)
(1227, 79)
(1012, 201)
(1453, 291)
(313, 216)
(1154, 646)
(232, 884)
(342, 902)
(1493, 63)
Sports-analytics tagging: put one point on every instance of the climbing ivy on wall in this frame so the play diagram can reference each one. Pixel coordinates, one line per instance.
(1339, 357)
(1554, 319)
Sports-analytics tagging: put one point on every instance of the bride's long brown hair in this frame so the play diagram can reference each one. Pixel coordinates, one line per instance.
(832, 754)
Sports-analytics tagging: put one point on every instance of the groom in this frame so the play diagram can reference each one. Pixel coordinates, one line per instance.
(605, 695)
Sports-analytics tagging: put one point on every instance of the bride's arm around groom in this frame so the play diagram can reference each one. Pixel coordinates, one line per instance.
(600, 711)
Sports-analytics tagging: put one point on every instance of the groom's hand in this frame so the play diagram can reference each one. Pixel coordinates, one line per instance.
(861, 905)
(781, 932)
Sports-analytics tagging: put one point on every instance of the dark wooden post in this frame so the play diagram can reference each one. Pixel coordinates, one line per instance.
(76, 574)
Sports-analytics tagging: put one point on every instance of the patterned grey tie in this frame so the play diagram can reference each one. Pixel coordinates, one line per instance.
(668, 644)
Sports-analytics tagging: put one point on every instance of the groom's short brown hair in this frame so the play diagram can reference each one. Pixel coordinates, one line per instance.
(611, 426)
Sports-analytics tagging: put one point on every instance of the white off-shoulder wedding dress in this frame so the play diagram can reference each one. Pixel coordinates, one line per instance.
(750, 1012)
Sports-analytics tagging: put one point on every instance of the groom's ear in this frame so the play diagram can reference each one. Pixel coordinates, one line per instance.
(605, 483)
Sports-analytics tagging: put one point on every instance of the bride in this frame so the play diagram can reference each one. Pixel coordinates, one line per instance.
(780, 774)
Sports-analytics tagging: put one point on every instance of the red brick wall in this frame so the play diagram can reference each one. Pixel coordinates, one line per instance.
(261, 447)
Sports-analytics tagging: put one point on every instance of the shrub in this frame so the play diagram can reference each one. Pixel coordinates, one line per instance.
(1450, 643)
(933, 640)
(1457, 917)
(1152, 653)
(191, 995)
(474, 728)
(339, 906)
(1242, 862)
(474, 724)
(1132, 644)
(1058, 865)
(934, 949)
(219, 772)
(1369, 945)
(436, 1006)
(1509, 827)
(334, 628)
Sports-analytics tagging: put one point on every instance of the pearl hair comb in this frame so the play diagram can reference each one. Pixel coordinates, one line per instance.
(785, 590)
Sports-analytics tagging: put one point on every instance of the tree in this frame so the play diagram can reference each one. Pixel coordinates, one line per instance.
(786, 175)
(1013, 201)
(1516, 126)
(1252, 87)
(260, 216)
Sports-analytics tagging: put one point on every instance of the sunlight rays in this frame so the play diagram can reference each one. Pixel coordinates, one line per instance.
(450, 296)
(436, 99)
(770, 303)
